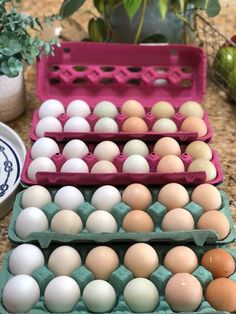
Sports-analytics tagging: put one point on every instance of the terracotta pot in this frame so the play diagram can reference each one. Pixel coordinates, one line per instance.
(12, 97)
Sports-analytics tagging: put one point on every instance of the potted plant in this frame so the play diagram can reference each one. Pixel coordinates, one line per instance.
(142, 20)
(19, 45)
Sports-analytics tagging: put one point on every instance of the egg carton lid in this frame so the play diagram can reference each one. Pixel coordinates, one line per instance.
(117, 72)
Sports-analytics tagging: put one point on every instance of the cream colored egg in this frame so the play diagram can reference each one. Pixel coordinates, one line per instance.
(164, 125)
(192, 109)
(66, 221)
(163, 109)
(203, 165)
(199, 149)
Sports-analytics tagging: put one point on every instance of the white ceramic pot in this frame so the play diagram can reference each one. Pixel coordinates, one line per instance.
(12, 97)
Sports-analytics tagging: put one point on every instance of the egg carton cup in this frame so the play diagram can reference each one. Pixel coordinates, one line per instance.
(119, 178)
(118, 72)
(118, 279)
(156, 211)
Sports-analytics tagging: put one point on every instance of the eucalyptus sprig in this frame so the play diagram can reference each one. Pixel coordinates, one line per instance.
(19, 38)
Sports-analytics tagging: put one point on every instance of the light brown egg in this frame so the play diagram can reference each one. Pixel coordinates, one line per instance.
(181, 259)
(170, 164)
(221, 294)
(178, 219)
(215, 220)
(192, 109)
(163, 109)
(135, 125)
(207, 196)
(138, 221)
(199, 149)
(137, 196)
(173, 195)
(167, 146)
(141, 259)
(194, 124)
(183, 292)
(102, 261)
(133, 108)
(219, 262)
(103, 166)
(203, 165)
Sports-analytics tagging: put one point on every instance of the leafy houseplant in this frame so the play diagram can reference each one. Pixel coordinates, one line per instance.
(134, 16)
(18, 46)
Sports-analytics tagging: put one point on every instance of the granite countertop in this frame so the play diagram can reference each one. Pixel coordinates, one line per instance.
(222, 114)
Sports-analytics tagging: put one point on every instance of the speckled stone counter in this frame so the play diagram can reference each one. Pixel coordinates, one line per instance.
(222, 114)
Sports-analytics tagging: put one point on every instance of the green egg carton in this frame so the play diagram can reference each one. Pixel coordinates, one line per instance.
(118, 279)
(156, 211)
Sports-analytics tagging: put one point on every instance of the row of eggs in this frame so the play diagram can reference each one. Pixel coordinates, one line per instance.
(21, 292)
(108, 150)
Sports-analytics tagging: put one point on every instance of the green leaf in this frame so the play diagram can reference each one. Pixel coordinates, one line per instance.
(131, 7)
(163, 7)
(99, 5)
(213, 8)
(69, 7)
(97, 30)
(156, 38)
(181, 5)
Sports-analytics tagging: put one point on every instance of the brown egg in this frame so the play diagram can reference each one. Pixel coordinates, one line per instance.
(167, 146)
(199, 149)
(219, 262)
(141, 259)
(163, 109)
(138, 221)
(173, 195)
(181, 259)
(207, 196)
(134, 125)
(103, 166)
(203, 165)
(191, 109)
(183, 293)
(170, 164)
(102, 261)
(215, 220)
(221, 294)
(137, 196)
(133, 108)
(178, 219)
(194, 124)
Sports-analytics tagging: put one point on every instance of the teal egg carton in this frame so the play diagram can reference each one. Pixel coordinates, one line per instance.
(156, 211)
(118, 279)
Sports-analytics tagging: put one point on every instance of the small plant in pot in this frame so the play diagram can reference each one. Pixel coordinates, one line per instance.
(19, 45)
(145, 21)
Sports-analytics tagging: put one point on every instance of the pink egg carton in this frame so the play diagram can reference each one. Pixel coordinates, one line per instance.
(119, 178)
(117, 72)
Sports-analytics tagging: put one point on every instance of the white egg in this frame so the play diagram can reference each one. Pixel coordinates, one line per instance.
(103, 166)
(25, 259)
(20, 294)
(68, 197)
(30, 220)
(38, 165)
(75, 149)
(66, 221)
(61, 294)
(138, 147)
(164, 125)
(35, 196)
(101, 221)
(44, 147)
(141, 295)
(106, 150)
(106, 125)
(64, 260)
(77, 124)
(99, 296)
(106, 197)
(136, 164)
(78, 108)
(48, 124)
(51, 108)
(105, 109)
(75, 165)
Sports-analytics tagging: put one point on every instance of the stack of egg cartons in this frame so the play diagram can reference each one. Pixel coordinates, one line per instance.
(120, 210)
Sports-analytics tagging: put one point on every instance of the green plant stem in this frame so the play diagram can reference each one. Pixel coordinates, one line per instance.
(140, 25)
(185, 33)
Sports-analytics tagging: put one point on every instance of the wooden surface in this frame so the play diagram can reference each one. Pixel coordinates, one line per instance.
(222, 114)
